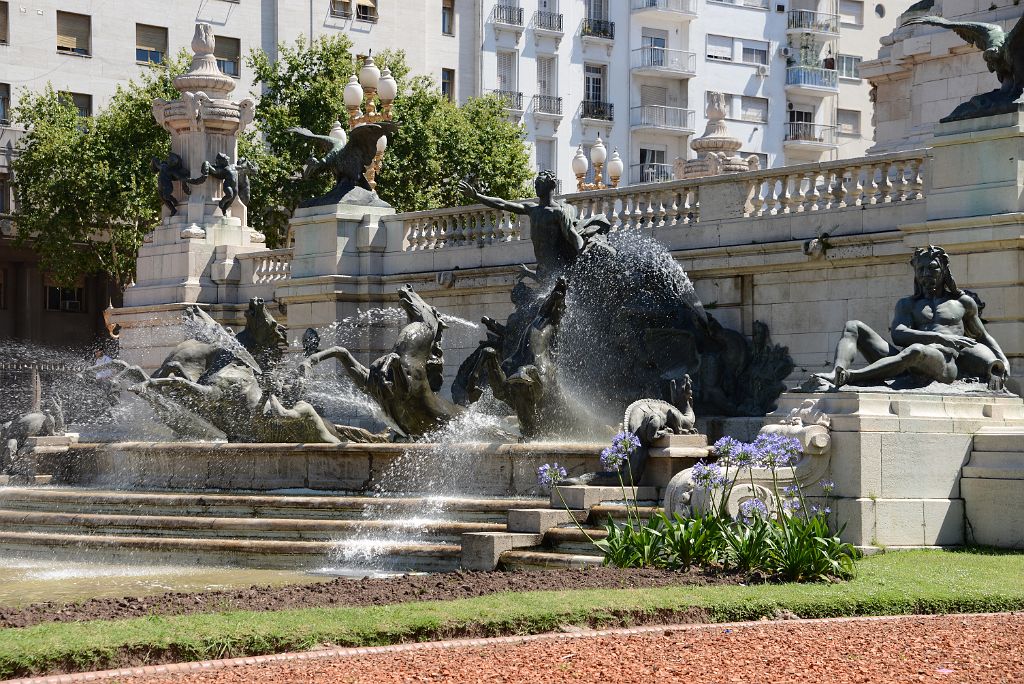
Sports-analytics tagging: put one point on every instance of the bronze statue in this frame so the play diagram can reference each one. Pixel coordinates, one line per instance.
(235, 176)
(1004, 55)
(348, 161)
(559, 236)
(170, 170)
(937, 335)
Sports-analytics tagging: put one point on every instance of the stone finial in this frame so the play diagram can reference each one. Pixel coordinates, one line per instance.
(716, 149)
(204, 74)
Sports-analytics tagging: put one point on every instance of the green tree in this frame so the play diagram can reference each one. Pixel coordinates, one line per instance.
(437, 142)
(85, 192)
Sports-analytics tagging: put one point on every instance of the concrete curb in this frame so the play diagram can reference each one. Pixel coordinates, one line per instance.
(208, 665)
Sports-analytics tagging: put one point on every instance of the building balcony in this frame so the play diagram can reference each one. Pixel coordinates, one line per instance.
(513, 99)
(810, 137)
(547, 106)
(548, 23)
(507, 17)
(598, 31)
(597, 112)
(818, 23)
(650, 173)
(658, 61)
(670, 10)
(666, 119)
(813, 81)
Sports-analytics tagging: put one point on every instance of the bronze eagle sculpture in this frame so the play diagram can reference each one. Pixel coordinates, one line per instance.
(1004, 55)
(346, 160)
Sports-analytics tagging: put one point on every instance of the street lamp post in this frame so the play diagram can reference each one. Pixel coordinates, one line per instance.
(361, 95)
(598, 155)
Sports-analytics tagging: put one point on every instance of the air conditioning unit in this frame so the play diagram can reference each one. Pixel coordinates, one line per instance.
(762, 70)
(786, 51)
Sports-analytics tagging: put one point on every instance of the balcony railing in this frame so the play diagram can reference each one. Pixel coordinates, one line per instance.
(505, 14)
(548, 21)
(663, 59)
(595, 109)
(810, 132)
(650, 173)
(656, 116)
(598, 28)
(513, 99)
(681, 6)
(547, 104)
(814, 22)
(812, 77)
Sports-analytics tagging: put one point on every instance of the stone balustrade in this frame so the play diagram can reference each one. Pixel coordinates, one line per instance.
(261, 272)
(819, 186)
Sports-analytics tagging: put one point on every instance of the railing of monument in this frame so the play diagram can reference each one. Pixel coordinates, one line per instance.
(821, 186)
(262, 271)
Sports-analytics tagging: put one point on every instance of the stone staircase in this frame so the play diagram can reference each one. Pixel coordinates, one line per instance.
(546, 537)
(992, 486)
(265, 530)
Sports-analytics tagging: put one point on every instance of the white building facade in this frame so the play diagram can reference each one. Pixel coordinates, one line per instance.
(633, 72)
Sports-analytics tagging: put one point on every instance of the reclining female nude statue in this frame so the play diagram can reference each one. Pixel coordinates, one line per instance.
(937, 335)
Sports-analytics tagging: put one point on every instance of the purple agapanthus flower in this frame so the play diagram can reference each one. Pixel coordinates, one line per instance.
(776, 451)
(753, 508)
(707, 475)
(550, 474)
(611, 459)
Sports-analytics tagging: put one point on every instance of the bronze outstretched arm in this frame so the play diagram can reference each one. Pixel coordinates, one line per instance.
(493, 202)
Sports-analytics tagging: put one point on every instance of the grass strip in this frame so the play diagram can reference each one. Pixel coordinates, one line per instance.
(909, 582)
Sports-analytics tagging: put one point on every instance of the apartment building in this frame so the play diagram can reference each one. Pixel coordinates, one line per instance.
(637, 73)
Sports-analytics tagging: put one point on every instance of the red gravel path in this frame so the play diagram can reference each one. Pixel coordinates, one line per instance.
(977, 648)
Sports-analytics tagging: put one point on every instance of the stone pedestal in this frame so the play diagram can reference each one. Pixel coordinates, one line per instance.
(338, 251)
(977, 168)
(993, 487)
(897, 457)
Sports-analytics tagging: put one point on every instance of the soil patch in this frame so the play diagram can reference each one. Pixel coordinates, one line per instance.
(345, 591)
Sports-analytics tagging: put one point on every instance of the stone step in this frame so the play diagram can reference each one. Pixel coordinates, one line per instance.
(581, 496)
(1004, 440)
(572, 541)
(235, 528)
(530, 558)
(249, 553)
(247, 505)
(599, 513)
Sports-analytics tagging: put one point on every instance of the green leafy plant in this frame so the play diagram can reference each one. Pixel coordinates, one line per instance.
(691, 541)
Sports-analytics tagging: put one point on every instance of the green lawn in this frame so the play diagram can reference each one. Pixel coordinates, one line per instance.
(891, 583)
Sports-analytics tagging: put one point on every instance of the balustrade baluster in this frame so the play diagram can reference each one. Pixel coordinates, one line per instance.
(901, 187)
(812, 195)
(916, 181)
(884, 185)
(756, 198)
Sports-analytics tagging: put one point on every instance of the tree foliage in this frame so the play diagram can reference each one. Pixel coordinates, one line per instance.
(437, 142)
(85, 192)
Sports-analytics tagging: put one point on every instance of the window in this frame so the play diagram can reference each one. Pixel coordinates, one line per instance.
(720, 48)
(5, 195)
(3, 288)
(546, 75)
(545, 155)
(448, 17)
(754, 109)
(755, 52)
(849, 121)
(341, 9)
(64, 299)
(507, 80)
(801, 116)
(851, 12)
(448, 83)
(597, 10)
(654, 43)
(593, 82)
(80, 101)
(366, 10)
(227, 51)
(652, 166)
(849, 66)
(5, 103)
(4, 29)
(653, 96)
(74, 33)
(150, 43)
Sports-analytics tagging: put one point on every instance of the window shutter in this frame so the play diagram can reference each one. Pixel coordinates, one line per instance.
(653, 96)
(506, 71)
(227, 48)
(719, 47)
(755, 109)
(545, 155)
(4, 18)
(73, 31)
(153, 38)
(545, 74)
